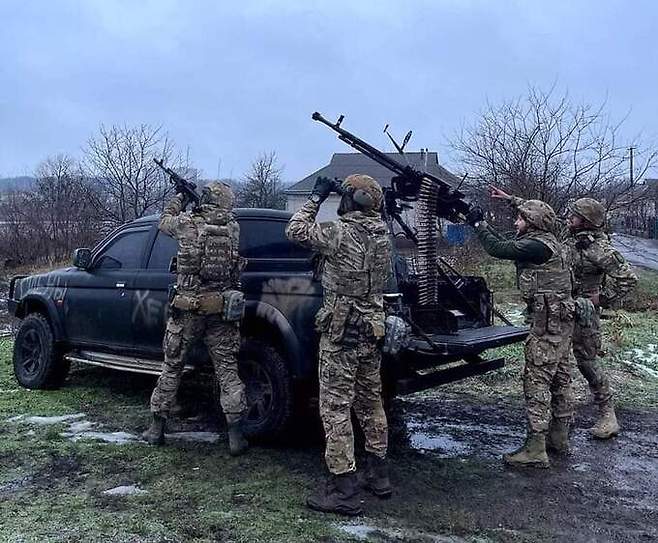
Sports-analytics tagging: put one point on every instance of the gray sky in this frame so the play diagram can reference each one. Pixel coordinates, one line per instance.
(232, 79)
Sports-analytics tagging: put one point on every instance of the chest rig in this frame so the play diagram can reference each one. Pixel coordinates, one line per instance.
(584, 247)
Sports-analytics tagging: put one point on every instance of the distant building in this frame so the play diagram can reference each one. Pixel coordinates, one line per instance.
(344, 164)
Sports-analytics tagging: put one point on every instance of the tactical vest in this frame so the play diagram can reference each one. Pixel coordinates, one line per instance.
(553, 276)
(361, 265)
(588, 277)
(209, 255)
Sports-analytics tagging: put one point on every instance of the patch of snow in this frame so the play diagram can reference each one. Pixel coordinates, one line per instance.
(128, 490)
(45, 421)
(364, 532)
(118, 438)
(641, 369)
(201, 437)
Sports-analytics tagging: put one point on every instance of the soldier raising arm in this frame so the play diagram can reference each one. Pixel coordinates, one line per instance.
(544, 279)
(357, 262)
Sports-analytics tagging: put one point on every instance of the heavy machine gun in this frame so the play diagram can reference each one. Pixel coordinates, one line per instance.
(435, 197)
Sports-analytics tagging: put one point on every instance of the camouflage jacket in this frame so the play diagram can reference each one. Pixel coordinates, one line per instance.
(356, 252)
(598, 267)
(208, 243)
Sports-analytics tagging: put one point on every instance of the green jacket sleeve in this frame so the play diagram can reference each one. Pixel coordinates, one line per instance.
(522, 250)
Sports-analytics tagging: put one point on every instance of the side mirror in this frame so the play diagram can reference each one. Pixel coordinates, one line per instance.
(82, 258)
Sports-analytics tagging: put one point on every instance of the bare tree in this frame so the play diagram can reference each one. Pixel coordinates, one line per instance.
(48, 222)
(262, 185)
(120, 159)
(546, 146)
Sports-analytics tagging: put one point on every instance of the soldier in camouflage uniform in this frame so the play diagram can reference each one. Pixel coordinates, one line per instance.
(602, 276)
(357, 263)
(544, 278)
(208, 275)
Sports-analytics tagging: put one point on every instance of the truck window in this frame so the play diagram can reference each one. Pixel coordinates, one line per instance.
(124, 252)
(267, 239)
(164, 249)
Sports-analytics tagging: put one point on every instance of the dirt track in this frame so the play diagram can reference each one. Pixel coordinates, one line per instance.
(603, 491)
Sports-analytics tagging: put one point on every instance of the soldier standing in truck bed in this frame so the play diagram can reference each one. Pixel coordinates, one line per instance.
(203, 305)
(544, 278)
(356, 265)
(602, 276)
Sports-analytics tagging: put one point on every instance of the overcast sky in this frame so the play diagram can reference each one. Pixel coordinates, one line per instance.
(232, 79)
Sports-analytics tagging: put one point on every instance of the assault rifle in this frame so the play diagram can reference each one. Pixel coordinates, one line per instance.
(406, 184)
(187, 188)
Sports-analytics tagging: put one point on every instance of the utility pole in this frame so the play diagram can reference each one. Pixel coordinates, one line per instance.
(631, 149)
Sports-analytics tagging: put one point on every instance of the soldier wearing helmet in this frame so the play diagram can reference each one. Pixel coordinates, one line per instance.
(602, 276)
(204, 304)
(356, 252)
(544, 278)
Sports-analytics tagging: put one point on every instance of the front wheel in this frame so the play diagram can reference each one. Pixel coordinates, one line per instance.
(37, 364)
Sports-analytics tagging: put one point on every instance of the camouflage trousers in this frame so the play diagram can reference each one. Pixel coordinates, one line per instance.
(350, 378)
(222, 339)
(547, 377)
(586, 347)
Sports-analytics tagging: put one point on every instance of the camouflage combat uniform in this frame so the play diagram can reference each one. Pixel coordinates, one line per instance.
(208, 265)
(544, 279)
(603, 276)
(356, 264)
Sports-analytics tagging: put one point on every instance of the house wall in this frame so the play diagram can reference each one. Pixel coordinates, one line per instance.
(327, 209)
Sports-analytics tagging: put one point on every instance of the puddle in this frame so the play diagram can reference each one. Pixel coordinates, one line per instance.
(128, 490)
(451, 440)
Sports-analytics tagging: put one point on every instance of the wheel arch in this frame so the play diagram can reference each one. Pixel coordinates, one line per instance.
(36, 303)
(272, 326)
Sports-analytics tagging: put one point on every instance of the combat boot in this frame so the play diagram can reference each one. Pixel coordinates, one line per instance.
(155, 435)
(606, 426)
(376, 480)
(340, 495)
(532, 454)
(237, 443)
(557, 440)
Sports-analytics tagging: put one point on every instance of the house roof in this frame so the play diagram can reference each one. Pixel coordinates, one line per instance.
(344, 164)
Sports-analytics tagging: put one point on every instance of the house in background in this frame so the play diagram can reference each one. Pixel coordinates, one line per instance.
(344, 164)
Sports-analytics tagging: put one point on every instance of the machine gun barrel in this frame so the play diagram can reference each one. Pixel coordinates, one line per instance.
(407, 180)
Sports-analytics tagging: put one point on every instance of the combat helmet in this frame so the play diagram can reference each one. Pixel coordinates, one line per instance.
(538, 214)
(364, 190)
(589, 210)
(218, 194)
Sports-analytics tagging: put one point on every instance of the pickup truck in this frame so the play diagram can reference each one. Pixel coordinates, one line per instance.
(110, 308)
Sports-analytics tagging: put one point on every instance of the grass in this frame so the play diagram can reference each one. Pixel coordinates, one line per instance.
(51, 489)
(629, 338)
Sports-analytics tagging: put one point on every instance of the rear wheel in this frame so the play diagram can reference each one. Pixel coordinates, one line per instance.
(37, 363)
(268, 388)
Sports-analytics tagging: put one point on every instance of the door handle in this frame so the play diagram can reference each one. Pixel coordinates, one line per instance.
(120, 285)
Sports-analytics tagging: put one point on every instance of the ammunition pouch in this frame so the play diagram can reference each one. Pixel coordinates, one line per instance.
(585, 312)
(533, 282)
(549, 311)
(184, 302)
(210, 303)
(233, 305)
(396, 336)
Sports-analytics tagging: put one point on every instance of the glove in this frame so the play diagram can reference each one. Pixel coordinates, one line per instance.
(184, 199)
(474, 215)
(323, 187)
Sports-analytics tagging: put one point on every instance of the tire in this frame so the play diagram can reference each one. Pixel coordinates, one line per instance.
(268, 388)
(37, 362)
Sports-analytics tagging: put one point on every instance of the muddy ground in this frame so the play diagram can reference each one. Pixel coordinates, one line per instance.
(451, 485)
